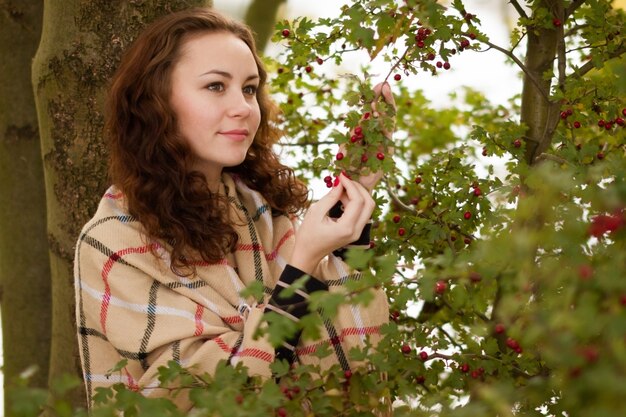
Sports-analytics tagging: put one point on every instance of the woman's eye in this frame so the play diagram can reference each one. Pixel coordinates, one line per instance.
(250, 90)
(219, 87)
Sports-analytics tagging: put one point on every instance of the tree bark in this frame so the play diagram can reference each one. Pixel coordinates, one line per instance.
(24, 264)
(261, 17)
(80, 47)
(539, 113)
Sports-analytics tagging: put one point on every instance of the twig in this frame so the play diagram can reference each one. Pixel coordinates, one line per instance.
(522, 67)
(519, 8)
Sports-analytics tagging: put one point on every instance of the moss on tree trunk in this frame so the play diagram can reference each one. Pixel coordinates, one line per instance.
(24, 265)
(80, 47)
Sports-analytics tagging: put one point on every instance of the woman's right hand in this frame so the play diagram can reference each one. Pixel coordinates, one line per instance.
(319, 234)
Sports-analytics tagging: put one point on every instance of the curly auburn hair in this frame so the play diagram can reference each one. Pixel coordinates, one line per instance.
(151, 164)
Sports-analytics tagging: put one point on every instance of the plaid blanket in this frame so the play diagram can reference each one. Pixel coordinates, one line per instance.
(130, 305)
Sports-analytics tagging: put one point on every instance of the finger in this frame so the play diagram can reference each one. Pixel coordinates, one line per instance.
(324, 204)
(368, 203)
(388, 95)
(354, 201)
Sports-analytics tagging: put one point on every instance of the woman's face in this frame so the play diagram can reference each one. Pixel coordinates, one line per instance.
(214, 86)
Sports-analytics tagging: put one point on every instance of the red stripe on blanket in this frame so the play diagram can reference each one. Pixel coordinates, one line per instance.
(222, 345)
(250, 246)
(258, 354)
(272, 256)
(108, 265)
(198, 319)
(132, 385)
(232, 319)
(350, 331)
(223, 261)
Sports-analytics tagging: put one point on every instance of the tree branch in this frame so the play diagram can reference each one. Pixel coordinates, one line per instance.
(588, 66)
(519, 9)
(572, 7)
(522, 67)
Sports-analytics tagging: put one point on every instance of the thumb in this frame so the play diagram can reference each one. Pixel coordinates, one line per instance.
(331, 198)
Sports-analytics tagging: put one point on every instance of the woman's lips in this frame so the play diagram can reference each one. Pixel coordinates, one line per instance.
(235, 134)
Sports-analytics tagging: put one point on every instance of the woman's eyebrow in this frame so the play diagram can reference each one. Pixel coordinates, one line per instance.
(228, 75)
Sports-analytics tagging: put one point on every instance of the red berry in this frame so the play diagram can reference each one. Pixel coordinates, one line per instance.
(420, 379)
(464, 368)
(446, 65)
(396, 218)
(366, 115)
(564, 115)
(286, 33)
(619, 121)
(339, 156)
(608, 125)
(430, 56)
(406, 349)
(401, 231)
(467, 240)
(364, 158)
(320, 61)
(423, 355)
(308, 68)
(624, 111)
(601, 123)
(439, 64)
(347, 374)
(467, 215)
(577, 124)
(464, 43)
(585, 271)
(484, 151)
(556, 22)
(354, 138)
(499, 328)
(420, 43)
(477, 191)
(472, 36)
(358, 130)
(600, 155)
(380, 156)
(281, 70)
(395, 315)
(475, 374)
(475, 277)
(441, 287)
(517, 143)
(397, 77)
(512, 343)
(281, 412)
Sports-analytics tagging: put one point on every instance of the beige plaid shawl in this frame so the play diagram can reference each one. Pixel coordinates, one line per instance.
(129, 304)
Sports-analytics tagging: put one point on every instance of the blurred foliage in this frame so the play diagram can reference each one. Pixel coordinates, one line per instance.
(507, 291)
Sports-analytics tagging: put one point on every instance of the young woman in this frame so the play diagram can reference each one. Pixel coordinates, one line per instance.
(200, 208)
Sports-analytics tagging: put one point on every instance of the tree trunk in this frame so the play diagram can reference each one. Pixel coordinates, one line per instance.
(81, 44)
(24, 264)
(261, 17)
(539, 113)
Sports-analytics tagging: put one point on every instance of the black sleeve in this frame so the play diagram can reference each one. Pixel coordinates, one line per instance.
(362, 242)
(294, 306)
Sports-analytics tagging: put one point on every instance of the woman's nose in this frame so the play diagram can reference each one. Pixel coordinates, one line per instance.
(239, 105)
